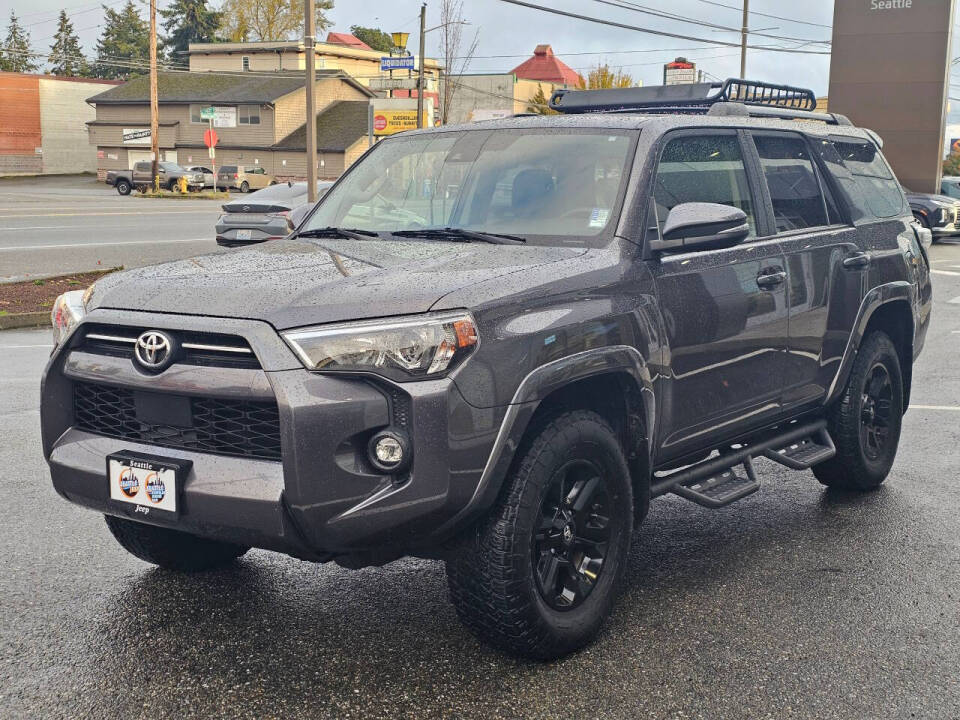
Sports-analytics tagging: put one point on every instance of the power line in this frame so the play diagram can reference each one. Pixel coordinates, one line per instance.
(766, 15)
(661, 33)
(636, 7)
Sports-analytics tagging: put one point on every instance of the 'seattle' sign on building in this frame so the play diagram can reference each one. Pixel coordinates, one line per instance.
(888, 71)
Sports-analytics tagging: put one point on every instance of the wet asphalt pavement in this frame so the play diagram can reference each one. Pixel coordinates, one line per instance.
(793, 603)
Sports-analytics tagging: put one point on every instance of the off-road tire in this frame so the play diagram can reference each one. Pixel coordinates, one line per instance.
(491, 575)
(123, 187)
(852, 468)
(172, 549)
(173, 185)
(244, 187)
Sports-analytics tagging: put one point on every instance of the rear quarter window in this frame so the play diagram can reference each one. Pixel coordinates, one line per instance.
(878, 187)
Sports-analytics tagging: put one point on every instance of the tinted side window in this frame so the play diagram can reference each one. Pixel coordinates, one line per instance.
(703, 168)
(848, 189)
(951, 188)
(866, 164)
(794, 188)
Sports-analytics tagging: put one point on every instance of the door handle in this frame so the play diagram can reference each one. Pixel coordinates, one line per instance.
(771, 279)
(857, 261)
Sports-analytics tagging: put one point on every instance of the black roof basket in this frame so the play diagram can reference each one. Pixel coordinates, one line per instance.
(693, 98)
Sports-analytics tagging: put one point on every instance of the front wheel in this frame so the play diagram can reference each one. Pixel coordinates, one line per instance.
(172, 549)
(865, 422)
(540, 574)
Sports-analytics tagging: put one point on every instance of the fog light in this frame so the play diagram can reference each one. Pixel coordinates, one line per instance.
(389, 451)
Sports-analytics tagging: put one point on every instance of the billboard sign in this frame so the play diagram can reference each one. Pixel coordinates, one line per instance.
(225, 117)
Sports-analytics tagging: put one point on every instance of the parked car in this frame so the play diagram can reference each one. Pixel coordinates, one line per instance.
(243, 178)
(940, 214)
(267, 214)
(141, 177)
(206, 172)
(950, 186)
(505, 380)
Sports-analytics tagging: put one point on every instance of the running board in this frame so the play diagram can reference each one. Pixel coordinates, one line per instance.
(803, 454)
(715, 483)
(721, 489)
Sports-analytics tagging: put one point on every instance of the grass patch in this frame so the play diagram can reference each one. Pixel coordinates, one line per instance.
(37, 295)
(204, 195)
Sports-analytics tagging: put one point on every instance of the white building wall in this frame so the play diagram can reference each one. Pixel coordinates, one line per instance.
(63, 117)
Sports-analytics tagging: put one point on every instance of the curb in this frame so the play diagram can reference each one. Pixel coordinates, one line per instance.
(25, 320)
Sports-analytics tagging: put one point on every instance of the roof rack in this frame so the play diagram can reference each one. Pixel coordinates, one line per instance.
(741, 97)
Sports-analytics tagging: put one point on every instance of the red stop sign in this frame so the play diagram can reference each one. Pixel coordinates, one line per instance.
(379, 122)
(210, 138)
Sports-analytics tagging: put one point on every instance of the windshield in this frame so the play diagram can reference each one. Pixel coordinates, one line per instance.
(552, 186)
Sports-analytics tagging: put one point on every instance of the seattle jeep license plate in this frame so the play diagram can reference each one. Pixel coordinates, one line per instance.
(146, 485)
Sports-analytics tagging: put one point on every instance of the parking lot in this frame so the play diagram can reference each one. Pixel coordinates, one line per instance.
(53, 225)
(796, 602)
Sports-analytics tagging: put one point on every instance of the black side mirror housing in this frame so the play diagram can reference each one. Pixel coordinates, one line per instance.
(297, 215)
(702, 226)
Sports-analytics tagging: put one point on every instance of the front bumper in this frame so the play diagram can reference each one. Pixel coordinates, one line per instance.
(323, 498)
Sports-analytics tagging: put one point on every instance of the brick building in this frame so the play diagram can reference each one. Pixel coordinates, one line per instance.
(258, 121)
(42, 128)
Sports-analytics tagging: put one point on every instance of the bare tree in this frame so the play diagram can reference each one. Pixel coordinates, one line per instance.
(456, 54)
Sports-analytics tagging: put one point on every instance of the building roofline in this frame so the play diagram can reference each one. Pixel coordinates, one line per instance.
(320, 48)
(64, 78)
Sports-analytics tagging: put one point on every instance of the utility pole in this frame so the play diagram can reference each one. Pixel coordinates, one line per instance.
(154, 109)
(423, 42)
(743, 40)
(309, 32)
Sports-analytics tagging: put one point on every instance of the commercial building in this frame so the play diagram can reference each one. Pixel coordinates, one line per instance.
(546, 67)
(42, 124)
(259, 120)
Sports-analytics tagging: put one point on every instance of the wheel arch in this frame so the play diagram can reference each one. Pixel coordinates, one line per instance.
(613, 381)
(889, 308)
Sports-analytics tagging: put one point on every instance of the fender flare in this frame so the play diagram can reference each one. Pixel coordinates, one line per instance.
(533, 389)
(896, 291)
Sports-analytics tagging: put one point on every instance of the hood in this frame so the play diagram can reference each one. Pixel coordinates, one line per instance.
(930, 197)
(291, 283)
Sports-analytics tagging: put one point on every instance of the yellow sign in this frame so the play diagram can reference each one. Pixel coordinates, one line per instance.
(388, 122)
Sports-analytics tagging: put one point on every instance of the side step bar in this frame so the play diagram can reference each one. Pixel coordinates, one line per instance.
(714, 483)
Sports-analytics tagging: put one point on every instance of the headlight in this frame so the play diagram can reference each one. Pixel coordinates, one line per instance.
(404, 349)
(68, 310)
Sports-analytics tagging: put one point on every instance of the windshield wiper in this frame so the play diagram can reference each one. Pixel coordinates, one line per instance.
(460, 235)
(333, 232)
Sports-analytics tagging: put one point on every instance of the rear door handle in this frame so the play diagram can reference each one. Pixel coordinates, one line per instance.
(857, 261)
(772, 279)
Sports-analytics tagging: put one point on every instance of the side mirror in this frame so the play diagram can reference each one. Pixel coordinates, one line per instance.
(702, 226)
(297, 215)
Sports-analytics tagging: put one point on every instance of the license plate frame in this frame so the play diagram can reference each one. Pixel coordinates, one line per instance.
(244, 234)
(159, 496)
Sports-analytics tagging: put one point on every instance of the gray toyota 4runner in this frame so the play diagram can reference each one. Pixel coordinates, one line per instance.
(494, 344)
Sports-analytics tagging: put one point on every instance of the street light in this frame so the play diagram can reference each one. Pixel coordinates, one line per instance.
(400, 41)
(423, 34)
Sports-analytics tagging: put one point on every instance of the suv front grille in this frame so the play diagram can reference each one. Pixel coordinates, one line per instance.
(196, 348)
(242, 428)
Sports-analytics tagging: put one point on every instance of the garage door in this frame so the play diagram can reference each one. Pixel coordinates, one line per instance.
(135, 156)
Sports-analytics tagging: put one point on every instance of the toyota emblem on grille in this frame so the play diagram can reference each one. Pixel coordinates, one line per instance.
(154, 350)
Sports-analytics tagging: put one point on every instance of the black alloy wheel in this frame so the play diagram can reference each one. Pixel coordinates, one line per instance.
(875, 415)
(573, 535)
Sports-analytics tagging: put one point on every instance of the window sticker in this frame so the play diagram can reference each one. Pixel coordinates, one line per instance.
(599, 217)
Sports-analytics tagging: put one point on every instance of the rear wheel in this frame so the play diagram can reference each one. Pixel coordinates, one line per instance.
(123, 187)
(173, 185)
(244, 187)
(540, 575)
(865, 422)
(172, 549)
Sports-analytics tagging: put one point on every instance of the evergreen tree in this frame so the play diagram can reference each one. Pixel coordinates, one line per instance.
(540, 103)
(124, 47)
(374, 37)
(185, 22)
(15, 53)
(66, 57)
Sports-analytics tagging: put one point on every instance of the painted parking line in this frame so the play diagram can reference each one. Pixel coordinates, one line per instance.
(102, 214)
(945, 272)
(948, 408)
(19, 248)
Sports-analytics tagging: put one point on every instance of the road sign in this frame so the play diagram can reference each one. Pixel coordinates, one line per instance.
(210, 138)
(208, 113)
(402, 62)
(402, 83)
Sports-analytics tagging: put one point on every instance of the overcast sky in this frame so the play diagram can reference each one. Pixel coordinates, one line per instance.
(507, 30)
(507, 33)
